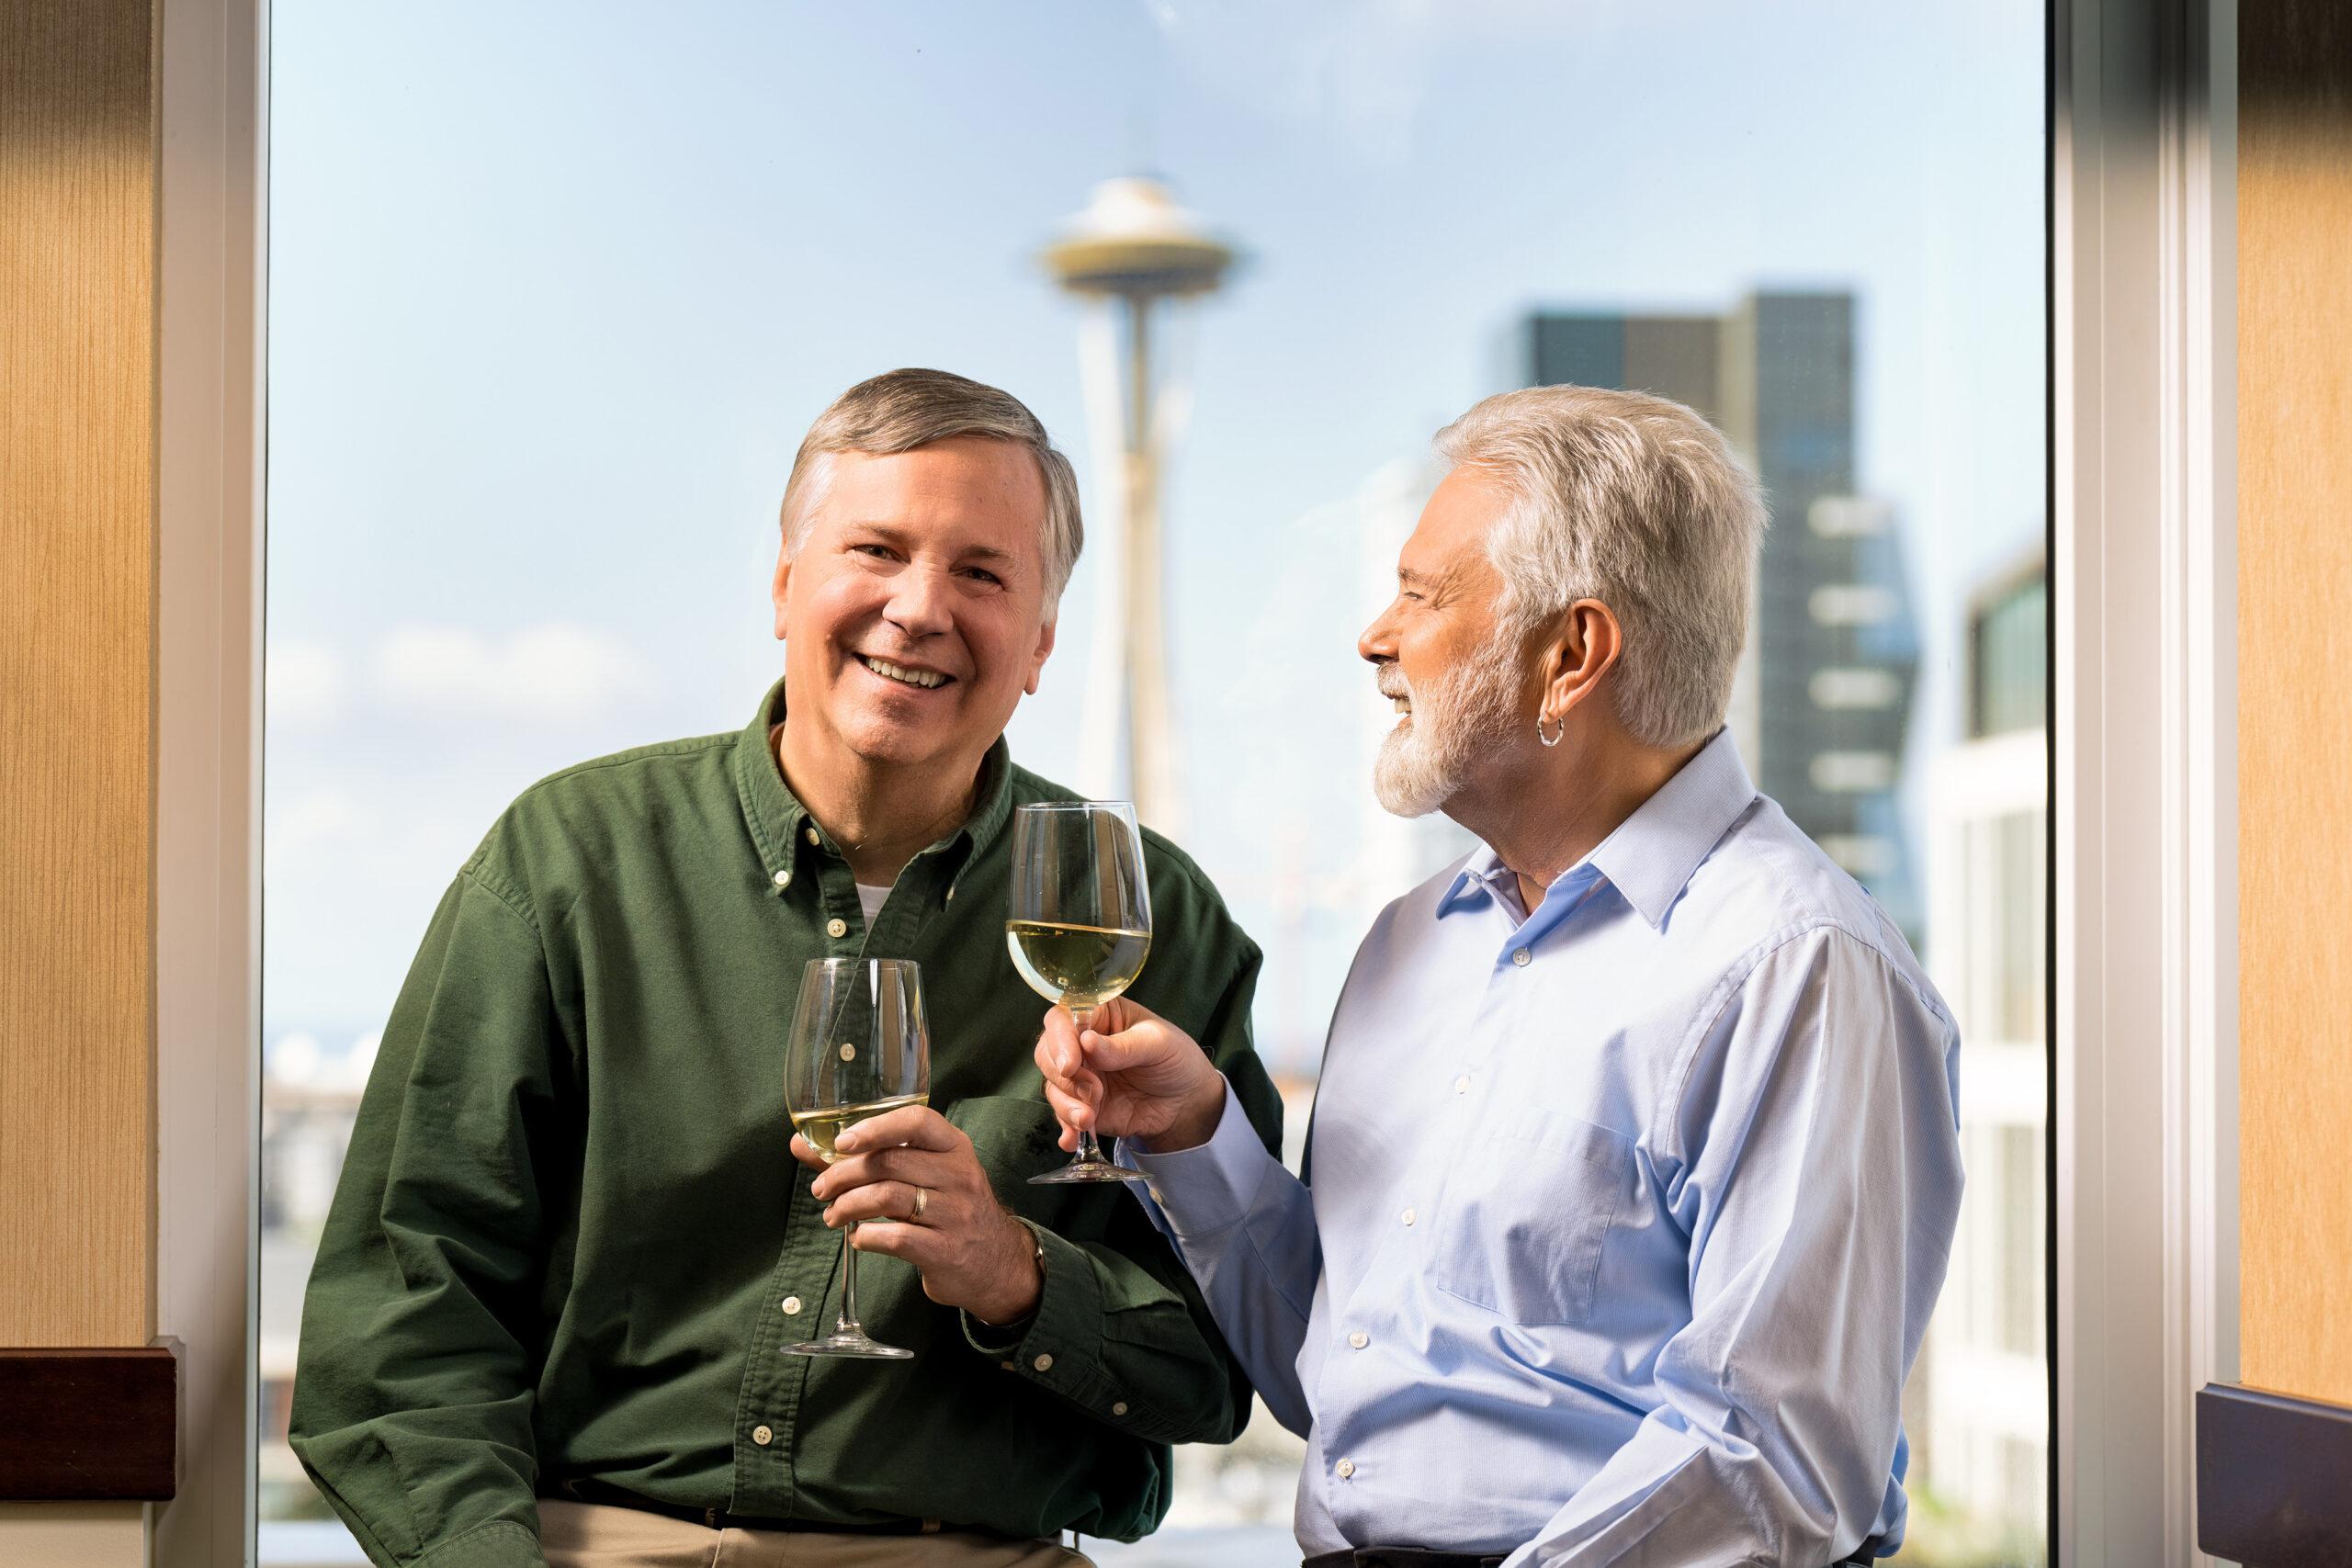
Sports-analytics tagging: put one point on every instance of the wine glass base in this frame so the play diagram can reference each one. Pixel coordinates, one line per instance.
(856, 1345)
(1086, 1170)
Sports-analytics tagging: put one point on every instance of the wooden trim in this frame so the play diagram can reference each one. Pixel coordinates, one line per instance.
(88, 1426)
(2272, 1471)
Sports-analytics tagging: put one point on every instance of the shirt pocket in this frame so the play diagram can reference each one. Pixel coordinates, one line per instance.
(1526, 1210)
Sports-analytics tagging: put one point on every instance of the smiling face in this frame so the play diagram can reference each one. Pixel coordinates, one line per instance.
(914, 616)
(1458, 693)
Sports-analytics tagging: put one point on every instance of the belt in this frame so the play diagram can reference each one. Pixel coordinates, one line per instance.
(1421, 1557)
(581, 1489)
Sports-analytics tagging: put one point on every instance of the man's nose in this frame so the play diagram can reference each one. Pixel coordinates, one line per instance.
(919, 604)
(1377, 646)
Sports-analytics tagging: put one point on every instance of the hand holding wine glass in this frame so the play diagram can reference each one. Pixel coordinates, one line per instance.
(1131, 1073)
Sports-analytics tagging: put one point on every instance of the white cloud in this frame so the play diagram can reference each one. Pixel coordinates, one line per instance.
(1360, 67)
(302, 682)
(554, 672)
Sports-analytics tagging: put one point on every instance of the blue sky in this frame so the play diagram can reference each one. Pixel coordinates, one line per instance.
(555, 291)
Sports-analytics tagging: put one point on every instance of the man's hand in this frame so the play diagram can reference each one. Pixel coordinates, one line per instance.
(1131, 1074)
(910, 1180)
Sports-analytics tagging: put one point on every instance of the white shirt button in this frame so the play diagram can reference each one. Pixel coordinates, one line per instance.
(1462, 1084)
(762, 1436)
(1521, 957)
(784, 879)
(1409, 1216)
(792, 1306)
(1155, 1195)
(837, 928)
(1359, 1339)
(1120, 1408)
(1044, 1363)
(812, 837)
(1346, 1468)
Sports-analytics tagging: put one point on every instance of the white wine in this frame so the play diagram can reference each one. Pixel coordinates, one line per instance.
(1079, 966)
(822, 1126)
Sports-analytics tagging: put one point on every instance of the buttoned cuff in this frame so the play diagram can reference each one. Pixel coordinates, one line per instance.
(1063, 1348)
(502, 1543)
(1207, 1190)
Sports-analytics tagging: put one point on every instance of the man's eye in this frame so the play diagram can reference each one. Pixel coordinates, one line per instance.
(984, 575)
(879, 552)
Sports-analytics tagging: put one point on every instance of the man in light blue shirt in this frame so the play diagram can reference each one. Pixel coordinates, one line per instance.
(1634, 1165)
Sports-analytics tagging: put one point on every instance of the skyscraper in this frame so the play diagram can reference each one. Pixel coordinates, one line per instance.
(1976, 1401)
(1823, 699)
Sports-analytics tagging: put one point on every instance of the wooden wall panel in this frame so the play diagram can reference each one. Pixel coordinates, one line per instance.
(77, 553)
(2295, 712)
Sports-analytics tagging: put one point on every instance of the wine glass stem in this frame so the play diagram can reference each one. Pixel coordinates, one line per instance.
(1088, 1151)
(847, 1322)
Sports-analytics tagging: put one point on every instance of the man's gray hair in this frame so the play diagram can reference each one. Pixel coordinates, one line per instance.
(1635, 502)
(899, 410)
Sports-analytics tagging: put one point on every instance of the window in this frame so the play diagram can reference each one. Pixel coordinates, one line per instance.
(552, 304)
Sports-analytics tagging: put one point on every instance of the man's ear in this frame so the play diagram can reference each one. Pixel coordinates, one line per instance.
(1589, 646)
(1038, 661)
(781, 593)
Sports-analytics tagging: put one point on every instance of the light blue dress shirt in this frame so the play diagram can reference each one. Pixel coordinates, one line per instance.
(1625, 1216)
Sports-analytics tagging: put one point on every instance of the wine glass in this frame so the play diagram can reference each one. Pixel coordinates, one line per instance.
(858, 1048)
(1080, 926)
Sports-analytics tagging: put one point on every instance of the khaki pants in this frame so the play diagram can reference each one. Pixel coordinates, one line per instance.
(596, 1535)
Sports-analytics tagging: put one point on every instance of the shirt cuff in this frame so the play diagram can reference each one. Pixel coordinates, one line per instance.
(502, 1543)
(1204, 1191)
(1063, 1348)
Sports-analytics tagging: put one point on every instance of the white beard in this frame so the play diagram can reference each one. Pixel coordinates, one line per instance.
(1425, 758)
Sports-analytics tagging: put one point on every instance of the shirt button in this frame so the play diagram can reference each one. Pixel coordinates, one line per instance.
(1044, 1363)
(1346, 1468)
(792, 1306)
(1409, 1216)
(1359, 1339)
(1521, 957)
(1462, 1084)
(812, 837)
(784, 879)
(762, 1436)
(837, 928)
(1120, 1408)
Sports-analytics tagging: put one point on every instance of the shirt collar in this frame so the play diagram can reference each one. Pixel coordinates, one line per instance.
(780, 823)
(1651, 856)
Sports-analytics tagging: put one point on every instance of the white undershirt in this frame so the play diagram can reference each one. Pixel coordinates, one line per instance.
(870, 900)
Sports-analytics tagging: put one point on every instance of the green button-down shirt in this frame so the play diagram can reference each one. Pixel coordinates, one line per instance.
(569, 1238)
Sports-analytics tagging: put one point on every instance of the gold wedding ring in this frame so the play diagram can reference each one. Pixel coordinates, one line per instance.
(921, 1197)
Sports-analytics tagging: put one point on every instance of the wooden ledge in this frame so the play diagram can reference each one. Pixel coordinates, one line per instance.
(2274, 1479)
(82, 1425)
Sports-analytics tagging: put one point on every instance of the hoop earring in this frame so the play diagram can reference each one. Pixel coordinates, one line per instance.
(1551, 740)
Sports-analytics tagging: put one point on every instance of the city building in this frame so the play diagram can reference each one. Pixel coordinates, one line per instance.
(1823, 701)
(1979, 1425)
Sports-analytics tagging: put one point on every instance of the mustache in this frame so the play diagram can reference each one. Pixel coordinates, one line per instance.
(1392, 682)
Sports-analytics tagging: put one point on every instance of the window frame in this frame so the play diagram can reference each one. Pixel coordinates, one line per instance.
(2142, 403)
(2144, 419)
(213, 98)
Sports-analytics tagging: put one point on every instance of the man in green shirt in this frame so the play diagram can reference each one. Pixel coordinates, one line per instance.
(570, 1239)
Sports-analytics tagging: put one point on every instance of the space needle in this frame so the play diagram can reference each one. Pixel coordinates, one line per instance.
(1131, 250)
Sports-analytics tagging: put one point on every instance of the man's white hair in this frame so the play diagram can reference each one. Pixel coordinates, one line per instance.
(1640, 503)
(902, 410)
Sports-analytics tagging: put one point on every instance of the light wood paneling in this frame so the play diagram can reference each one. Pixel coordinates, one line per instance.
(2295, 716)
(77, 550)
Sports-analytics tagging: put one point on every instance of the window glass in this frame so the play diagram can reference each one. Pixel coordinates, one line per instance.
(555, 292)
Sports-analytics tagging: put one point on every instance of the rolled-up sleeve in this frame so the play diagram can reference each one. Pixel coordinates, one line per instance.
(421, 1331)
(1812, 1157)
